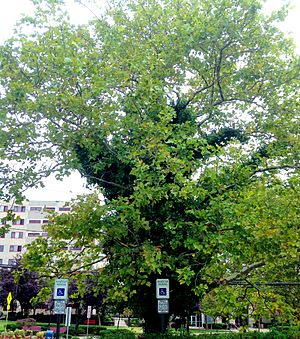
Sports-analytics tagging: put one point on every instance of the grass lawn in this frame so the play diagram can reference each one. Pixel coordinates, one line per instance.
(202, 330)
(136, 330)
(3, 323)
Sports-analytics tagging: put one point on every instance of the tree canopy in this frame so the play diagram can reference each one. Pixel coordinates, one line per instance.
(185, 115)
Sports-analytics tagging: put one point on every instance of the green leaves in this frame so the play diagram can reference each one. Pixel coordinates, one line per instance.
(184, 115)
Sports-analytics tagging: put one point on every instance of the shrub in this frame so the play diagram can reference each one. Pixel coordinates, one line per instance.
(133, 322)
(108, 323)
(94, 329)
(166, 336)
(26, 322)
(291, 333)
(72, 331)
(41, 334)
(13, 327)
(101, 328)
(28, 332)
(116, 334)
(218, 326)
(20, 333)
(10, 334)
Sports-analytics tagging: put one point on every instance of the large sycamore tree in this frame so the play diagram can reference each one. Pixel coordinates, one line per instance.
(185, 115)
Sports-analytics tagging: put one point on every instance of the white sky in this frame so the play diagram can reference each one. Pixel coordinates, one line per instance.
(10, 12)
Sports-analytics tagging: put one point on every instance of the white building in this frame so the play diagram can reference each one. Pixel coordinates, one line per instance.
(29, 219)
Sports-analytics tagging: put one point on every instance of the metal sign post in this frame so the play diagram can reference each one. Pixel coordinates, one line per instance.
(88, 315)
(60, 300)
(68, 319)
(163, 295)
(8, 300)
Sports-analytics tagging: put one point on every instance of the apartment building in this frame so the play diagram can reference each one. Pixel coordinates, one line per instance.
(28, 225)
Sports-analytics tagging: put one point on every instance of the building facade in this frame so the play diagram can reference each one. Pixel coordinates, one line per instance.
(27, 226)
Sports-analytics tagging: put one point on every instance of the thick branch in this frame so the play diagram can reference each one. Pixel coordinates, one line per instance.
(245, 271)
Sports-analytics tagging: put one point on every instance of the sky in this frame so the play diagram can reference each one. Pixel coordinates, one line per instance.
(10, 12)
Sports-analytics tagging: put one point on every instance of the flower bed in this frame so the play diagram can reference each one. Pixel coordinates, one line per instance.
(32, 328)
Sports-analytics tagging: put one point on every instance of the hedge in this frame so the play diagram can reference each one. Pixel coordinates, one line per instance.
(274, 333)
(117, 334)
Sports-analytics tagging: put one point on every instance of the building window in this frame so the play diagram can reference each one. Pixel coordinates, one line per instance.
(50, 208)
(15, 248)
(3, 208)
(33, 234)
(45, 221)
(19, 208)
(44, 234)
(36, 208)
(16, 235)
(33, 221)
(1, 248)
(65, 209)
(18, 222)
(1, 261)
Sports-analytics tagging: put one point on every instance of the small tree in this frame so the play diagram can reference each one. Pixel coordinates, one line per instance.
(23, 285)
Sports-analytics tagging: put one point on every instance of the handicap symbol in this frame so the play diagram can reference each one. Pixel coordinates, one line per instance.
(162, 291)
(60, 292)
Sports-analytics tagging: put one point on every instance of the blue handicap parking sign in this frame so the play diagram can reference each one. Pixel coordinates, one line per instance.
(60, 292)
(162, 291)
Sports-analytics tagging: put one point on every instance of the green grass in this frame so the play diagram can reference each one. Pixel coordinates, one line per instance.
(3, 323)
(202, 330)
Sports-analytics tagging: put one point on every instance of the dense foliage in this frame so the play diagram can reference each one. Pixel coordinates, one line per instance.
(185, 115)
(23, 285)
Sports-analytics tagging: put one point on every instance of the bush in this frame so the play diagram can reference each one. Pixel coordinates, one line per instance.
(289, 333)
(116, 334)
(28, 332)
(10, 334)
(218, 326)
(108, 323)
(101, 328)
(72, 331)
(133, 322)
(19, 333)
(94, 329)
(169, 336)
(26, 322)
(13, 327)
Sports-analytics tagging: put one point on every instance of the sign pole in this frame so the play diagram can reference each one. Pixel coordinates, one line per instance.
(57, 326)
(68, 319)
(162, 296)
(163, 323)
(88, 316)
(67, 332)
(8, 299)
(60, 300)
